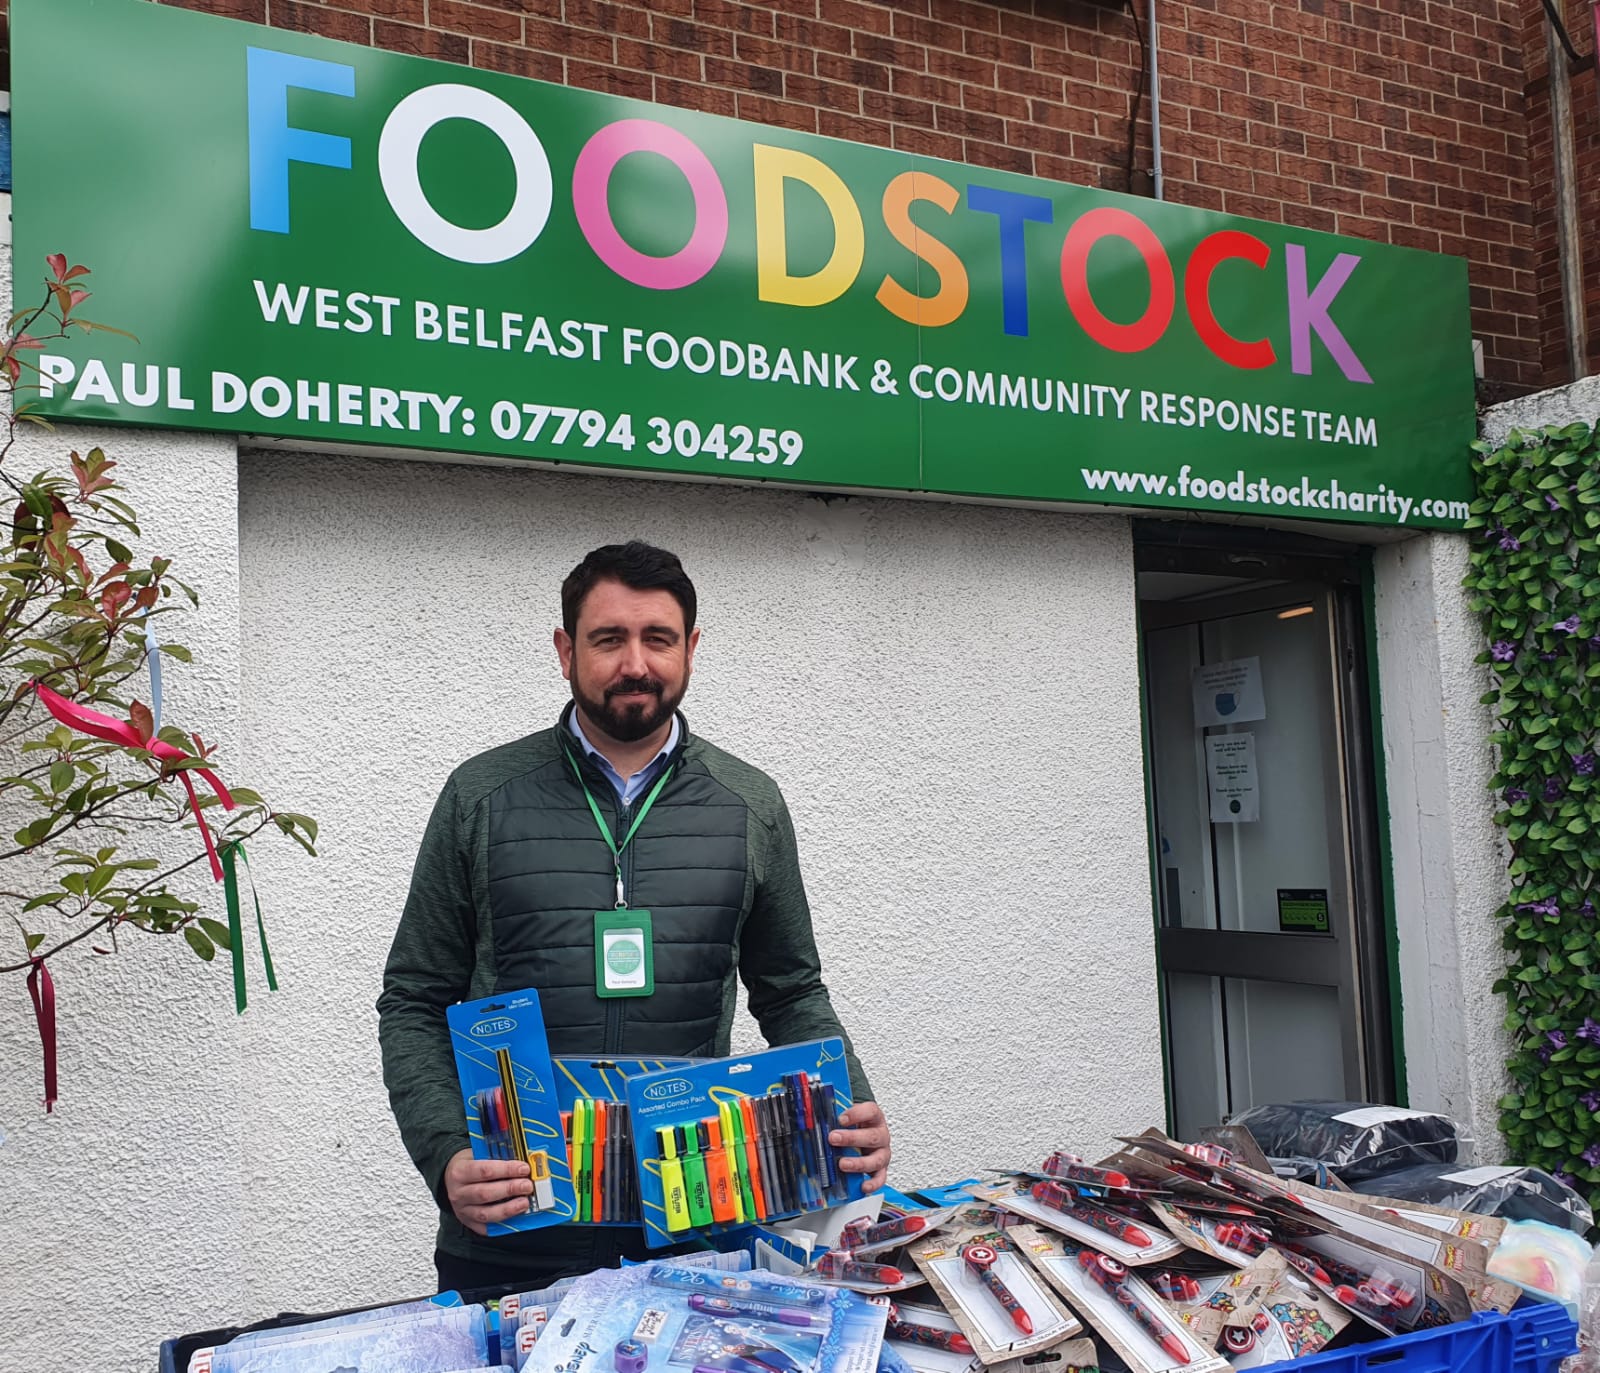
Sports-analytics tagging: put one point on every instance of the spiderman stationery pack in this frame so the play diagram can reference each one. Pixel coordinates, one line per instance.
(731, 1142)
(509, 1095)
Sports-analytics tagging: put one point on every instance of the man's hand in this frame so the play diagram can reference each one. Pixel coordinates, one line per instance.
(481, 1190)
(864, 1129)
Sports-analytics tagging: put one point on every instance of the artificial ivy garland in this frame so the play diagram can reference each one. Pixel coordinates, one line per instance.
(1535, 580)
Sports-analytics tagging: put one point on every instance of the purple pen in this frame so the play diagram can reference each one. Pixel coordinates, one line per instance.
(734, 1306)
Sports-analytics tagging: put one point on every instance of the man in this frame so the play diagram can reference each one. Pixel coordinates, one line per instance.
(617, 805)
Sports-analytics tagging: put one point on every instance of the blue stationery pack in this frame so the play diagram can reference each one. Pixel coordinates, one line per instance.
(731, 1142)
(508, 1091)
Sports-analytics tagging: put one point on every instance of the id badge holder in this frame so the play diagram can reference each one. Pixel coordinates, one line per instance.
(624, 954)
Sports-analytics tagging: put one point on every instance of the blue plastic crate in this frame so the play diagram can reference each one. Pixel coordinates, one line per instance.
(1532, 1339)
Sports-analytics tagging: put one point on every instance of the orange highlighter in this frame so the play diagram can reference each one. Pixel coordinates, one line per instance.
(747, 1113)
(721, 1184)
(597, 1208)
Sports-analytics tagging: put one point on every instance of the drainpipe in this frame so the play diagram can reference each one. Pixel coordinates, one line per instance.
(1155, 96)
(1568, 233)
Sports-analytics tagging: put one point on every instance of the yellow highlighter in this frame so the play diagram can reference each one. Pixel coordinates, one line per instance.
(673, 1197)
(735, 1163)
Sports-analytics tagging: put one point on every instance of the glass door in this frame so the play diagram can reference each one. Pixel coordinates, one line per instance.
(1266, 876)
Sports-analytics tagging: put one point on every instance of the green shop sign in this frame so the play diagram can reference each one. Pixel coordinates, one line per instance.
(330, 243)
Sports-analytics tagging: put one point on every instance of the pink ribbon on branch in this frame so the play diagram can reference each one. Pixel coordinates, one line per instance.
(114, 731)
(42, 989)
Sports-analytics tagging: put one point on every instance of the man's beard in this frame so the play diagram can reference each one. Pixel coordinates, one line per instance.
(635, 720)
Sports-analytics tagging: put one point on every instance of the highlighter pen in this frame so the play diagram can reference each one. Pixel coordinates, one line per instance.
(673, 1200)
(1111, 1277)
(980, 1260)
(1069, 1203)
(910, 1332)
(694, 1174)
(712, 1280)
(597, 1206)
(776, 1315)
(733, 1133)
(752, 1158)
(730, 1160)
(566, 1134)
(584, 1157)
(717, 1179)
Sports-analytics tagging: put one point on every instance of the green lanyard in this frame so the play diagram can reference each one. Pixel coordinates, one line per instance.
(605, 829)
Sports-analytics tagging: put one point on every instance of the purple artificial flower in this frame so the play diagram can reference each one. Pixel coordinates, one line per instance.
(1509, 544)
(1551, 501)
(1553, 789)
(1568, 625)
(1590, 1101)
(1557, 1038)
(1565, 1179)
(1587, 908)
(1548, 657)
(1542, 1054)
(1515, 794)
(1546, 907)
(1503, 651)
(1591, 1155)
(1594, 643)
(1583, 764)
(1590, 1030)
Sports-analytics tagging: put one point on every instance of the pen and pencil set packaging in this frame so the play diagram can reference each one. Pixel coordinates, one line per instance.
(1000, 1303)
(598, 1127)
(666, 1317)
(1126, 1312)
(508, 1091)
(724, 1143)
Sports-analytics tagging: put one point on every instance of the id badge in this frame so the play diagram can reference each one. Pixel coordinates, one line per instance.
(624, 959)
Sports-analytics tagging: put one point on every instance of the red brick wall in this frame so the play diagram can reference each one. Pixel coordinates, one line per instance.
(1585, 99)
(1401, 120)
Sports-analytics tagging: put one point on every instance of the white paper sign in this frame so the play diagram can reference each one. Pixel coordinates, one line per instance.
(1380, 1115)
(1231, 771)
(1476, 1177)
(1228, 693)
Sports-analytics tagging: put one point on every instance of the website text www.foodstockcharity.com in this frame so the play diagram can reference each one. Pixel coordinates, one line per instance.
(1300, 494)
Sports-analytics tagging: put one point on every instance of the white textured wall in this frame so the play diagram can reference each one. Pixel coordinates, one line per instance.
(1449, 875)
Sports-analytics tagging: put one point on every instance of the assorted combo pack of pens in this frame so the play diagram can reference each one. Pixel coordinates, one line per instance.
(508, 1092)
(726, 1143)
(598, 1129)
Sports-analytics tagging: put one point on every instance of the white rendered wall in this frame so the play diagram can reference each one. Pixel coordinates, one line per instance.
(1449, 874)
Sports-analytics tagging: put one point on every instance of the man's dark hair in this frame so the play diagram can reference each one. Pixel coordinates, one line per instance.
(638, 566)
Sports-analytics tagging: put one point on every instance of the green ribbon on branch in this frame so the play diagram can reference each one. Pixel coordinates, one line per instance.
(230, 887)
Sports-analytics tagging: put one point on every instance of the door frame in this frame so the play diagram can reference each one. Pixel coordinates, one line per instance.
(1342, 572)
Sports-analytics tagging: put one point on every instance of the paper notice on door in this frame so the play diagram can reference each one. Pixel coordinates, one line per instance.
(1228, 693)
(1231, 770)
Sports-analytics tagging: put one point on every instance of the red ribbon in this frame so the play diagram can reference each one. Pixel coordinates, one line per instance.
(113, 731)
(42, 988)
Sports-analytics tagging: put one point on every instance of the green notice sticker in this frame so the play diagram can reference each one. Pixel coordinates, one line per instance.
(1303, 910)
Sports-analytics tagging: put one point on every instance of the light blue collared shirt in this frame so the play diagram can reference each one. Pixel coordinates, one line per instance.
(628, 790)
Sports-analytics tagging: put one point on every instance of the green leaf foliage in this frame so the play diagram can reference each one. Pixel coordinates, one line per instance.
(1535, 583)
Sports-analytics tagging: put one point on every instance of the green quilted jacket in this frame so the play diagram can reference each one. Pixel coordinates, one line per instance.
(507, 880)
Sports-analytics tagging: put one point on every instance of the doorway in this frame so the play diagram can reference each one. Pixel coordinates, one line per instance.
(1272, 936)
